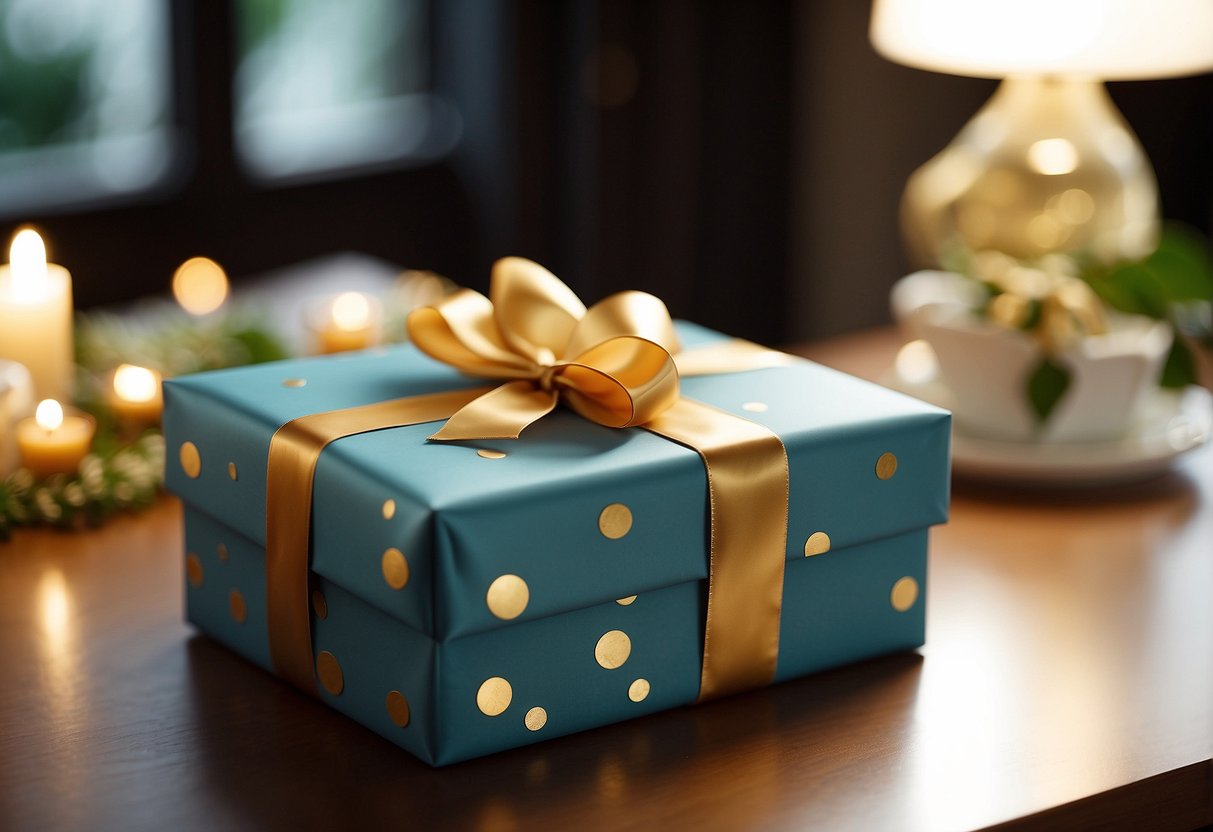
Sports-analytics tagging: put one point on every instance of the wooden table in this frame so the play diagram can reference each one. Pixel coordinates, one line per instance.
(1067, 683)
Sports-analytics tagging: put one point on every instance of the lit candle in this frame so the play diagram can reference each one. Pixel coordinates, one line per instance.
(349, 321)
(36, 315)
(200, 286)
(52, 442)
(135, 396)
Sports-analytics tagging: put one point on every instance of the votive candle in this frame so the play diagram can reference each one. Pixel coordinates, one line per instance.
(52, 441)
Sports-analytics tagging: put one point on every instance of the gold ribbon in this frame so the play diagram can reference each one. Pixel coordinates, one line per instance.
(614, 365)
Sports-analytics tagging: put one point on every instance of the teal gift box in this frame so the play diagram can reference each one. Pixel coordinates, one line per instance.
(473, 597)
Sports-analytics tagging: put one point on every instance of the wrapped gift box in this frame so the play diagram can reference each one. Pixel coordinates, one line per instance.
(423, 553)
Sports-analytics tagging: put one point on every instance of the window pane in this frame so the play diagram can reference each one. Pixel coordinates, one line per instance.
(324, 85)
(84, 100)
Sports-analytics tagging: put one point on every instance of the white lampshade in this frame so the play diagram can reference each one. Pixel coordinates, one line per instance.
(1106, 39)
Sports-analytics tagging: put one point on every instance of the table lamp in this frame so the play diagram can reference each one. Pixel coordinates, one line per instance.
(1048, 164)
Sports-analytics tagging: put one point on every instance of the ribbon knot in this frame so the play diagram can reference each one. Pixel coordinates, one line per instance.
(610, 363)
(547, 378)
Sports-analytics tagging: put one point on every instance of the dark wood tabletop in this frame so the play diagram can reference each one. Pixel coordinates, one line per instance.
(1067, 682)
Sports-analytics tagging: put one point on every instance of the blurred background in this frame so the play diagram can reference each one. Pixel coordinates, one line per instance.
(744, 161)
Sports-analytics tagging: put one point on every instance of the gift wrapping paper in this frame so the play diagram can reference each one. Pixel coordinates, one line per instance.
(470, 597)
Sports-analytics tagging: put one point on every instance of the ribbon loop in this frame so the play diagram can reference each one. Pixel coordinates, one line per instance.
(534, 310)
(611, 363)
(629, 313)
(461, 331)
(620, 383)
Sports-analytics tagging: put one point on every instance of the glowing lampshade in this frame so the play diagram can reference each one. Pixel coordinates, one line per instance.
(1048, 164)
(1108, 39)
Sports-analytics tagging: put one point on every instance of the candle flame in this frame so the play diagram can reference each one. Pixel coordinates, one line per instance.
(49, 415)
(27, 261)
(351, 311)
(200, 285)
(135, 384)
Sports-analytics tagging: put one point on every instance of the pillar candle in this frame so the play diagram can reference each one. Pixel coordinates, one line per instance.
(36, 316)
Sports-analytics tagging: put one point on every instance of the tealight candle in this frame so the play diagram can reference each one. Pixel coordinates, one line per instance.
(349, 321)
(36, 315)
(54, 442)
(135, 396)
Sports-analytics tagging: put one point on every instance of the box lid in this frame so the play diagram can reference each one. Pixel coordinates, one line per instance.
(462, 519)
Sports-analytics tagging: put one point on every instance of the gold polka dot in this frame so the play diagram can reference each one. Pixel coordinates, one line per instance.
(398, 708)
(904, 594)
(294, 382)
(755, 407)
(638, 691)
(231, 471)
(494, 696)
(320, 604)
(389, 509)
(615, 521)
(395, 568)
(817, 543)
(221, 549)
(235, 605)
(329, 671)
(508, 596)
(886, 466)
(535, 719)
(193, 570)
(191, 460)
(485, 453)
(626, 602)
(613, 649)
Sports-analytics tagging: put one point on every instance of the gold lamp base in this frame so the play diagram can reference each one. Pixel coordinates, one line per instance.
(1047, 165)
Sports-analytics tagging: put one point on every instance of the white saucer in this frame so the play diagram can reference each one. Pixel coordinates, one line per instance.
(1172, 423)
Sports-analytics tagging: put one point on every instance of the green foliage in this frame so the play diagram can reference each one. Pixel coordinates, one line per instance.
(1175, 279)
(110, 480)
(1046, 386)
(1179, 271)
(1179, 370)
(41, 100)
(173, 343)
(259, 20)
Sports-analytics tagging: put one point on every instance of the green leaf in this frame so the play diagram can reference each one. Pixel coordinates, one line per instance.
(1180, 270)
(1182, 264)
(1032, 320)
(1046, 386)
(1146, 292)
(1179, 370)
(261, 345)
(1115, 288)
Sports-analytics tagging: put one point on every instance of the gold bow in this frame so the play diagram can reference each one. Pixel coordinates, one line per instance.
(610, 363)
(613, 364)
(1048, 299)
